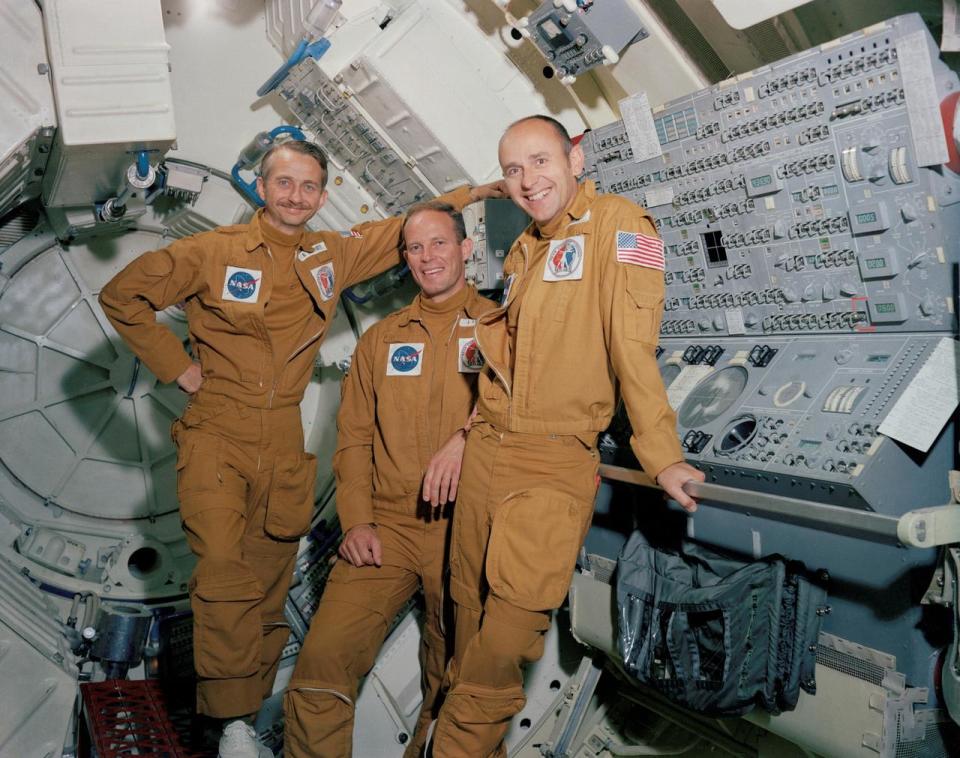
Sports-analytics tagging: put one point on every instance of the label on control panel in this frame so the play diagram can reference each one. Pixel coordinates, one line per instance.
(638, 120)
(928, 401)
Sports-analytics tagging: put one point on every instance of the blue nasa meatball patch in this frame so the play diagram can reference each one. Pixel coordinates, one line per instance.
(241, 285)
(404, 359)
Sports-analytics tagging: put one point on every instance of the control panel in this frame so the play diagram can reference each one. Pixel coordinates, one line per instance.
(577, 35)
(800, 416)
(806, 197)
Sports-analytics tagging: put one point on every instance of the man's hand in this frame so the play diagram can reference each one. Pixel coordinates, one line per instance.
(362, 546)
(672, 479)
(443, 472)
(493, 189)
(191, 379)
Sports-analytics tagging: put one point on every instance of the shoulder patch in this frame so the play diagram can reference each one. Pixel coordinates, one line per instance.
(347, 233)
(639, 250)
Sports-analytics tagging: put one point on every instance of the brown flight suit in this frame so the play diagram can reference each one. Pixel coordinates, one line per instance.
(411, 386)
(244, 482)
(575, 323)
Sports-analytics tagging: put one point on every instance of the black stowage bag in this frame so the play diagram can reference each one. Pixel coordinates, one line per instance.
(714, 634)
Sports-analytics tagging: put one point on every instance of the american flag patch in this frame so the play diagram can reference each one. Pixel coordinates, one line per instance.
(351, 233)
(639, 249)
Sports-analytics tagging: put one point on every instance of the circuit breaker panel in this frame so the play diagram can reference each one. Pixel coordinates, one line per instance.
(807, 197)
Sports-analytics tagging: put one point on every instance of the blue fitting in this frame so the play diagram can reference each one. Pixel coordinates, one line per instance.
(287, 129)
(304, 49)
(143, 164)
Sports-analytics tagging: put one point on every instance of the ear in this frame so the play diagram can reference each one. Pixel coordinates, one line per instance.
(261, 190)
(466, 247)
(577, 160)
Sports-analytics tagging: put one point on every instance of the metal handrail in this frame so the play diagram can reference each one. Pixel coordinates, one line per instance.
(922, 527)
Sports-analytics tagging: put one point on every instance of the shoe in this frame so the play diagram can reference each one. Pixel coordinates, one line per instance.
(239, 740)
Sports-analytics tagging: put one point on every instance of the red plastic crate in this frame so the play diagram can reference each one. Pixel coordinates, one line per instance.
(130, 718)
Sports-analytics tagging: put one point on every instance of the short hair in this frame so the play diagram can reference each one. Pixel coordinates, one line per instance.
(459, 227)
(559, 128)
(296, 146)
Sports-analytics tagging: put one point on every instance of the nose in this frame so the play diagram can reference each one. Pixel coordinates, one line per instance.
(527, 178)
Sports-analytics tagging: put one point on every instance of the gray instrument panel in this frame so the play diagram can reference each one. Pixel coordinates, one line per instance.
(807, 197)
(799, 416)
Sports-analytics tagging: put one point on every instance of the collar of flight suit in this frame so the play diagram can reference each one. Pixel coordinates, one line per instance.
(255, 236)
(412, 312)
(575, 211)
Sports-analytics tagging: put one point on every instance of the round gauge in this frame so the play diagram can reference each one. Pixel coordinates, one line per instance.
(736, 435)
(669, 372)
(713, 396)
(788, 393)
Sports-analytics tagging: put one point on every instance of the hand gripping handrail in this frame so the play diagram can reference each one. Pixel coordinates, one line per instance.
(923, 527)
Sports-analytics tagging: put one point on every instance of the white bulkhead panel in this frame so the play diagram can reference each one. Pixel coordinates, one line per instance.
(27, 117)
(111, 81)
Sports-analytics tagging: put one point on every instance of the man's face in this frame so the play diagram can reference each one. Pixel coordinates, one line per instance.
(540, 178)
(433, 254)
(292, 190)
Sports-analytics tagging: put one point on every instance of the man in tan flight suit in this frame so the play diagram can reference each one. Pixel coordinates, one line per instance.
(581, 312)
(259, 298)
(411, 388)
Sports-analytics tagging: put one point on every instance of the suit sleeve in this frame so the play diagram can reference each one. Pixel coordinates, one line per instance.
(154, 281)
(632, 305)
(378, 246)
(353, 459)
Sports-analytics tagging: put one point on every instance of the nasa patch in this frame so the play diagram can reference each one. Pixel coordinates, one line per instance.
(320, 247)
(404, 359)
(323, 276)
(241, 285)
(471, 359)
(564, 261)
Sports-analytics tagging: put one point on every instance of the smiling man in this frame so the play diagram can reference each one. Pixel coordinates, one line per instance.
(411, 387)
(259, 298)
(580, 315)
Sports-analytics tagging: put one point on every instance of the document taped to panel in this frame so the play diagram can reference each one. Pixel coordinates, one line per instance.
(920, 413)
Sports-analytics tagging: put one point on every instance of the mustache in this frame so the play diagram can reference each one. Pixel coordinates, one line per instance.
(296, 206)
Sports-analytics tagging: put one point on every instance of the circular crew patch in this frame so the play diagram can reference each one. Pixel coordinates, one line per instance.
(323, 276)
(241, 285)
(564, 260)
(471, 359)
(405, 359)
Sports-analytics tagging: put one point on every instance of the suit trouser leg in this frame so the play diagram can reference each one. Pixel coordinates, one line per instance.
(346, 633)
(242, 576)
(435, 642)
(524, 510)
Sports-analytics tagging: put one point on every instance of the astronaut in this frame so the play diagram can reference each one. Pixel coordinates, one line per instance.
(410, 389)
(258, 299)
(581, 312)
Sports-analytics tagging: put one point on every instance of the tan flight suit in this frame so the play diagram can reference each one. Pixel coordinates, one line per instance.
(411, 386)
(244, 482)
(575, 322)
